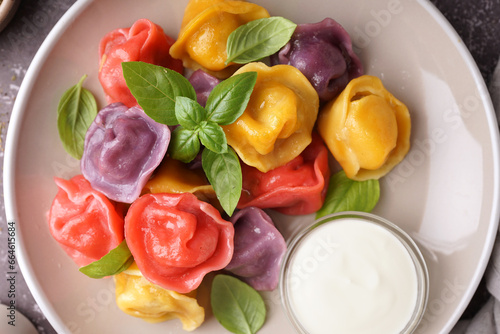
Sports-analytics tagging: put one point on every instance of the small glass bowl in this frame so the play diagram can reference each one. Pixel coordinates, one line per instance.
(403, 237)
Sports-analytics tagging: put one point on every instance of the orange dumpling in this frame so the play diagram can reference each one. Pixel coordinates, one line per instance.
(366, 128)
(205, 28)
(277, 123)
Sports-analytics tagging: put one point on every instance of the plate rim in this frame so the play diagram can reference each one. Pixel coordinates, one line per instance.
(9, 171)
(495, 141)
(19, 110)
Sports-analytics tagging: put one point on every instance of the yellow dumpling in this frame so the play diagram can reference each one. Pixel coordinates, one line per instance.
(278, 121)
(366, 128)
(172, 176)
(205, 28)
(138, 297)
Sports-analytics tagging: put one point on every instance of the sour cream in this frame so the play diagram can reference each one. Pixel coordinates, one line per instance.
(354, 273)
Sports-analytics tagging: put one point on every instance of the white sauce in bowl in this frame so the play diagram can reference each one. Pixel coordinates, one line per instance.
(351, 276)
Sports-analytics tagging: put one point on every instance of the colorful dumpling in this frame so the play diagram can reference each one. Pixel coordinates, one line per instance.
(138, 297)
(122, 149)
(277, 123)
(366, 128)
(198, 46)
(258, 249)
(297, 188)
(83, 221)
(176, 239)
(143, 41)
(173, 176)
(323, 53)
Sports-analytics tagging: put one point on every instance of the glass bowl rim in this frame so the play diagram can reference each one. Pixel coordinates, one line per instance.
(403, 237)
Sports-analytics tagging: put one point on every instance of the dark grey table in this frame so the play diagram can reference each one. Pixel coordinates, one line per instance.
(477, 22)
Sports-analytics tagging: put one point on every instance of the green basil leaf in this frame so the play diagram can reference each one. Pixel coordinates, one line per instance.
(156, 88)
(223, 171)
(75, 113)
(236, 305)
(228, 100)
(184, 144)
(116, 261)
(213, 137)
(258, 39)
(189, 113)
(345, 194)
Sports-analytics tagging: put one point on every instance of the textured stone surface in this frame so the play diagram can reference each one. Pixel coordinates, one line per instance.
(477, 22)
(19, 42)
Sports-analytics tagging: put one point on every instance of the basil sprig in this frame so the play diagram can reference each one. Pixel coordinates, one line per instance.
(116, 261)
(236, 305)
(75, 112)
(225, 104)
(258, 39)
(169, 98)
(345, 194)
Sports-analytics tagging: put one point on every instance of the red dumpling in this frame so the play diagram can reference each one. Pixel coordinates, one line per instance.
(84, 222)
(144, 41)
(176, 239)
(296, 188)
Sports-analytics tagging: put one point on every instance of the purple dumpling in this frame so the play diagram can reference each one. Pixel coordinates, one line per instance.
(258, 249)
(323, 53)
(203, 83)
(122, 149)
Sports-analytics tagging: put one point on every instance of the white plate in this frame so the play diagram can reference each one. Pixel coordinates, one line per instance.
(445, 194)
